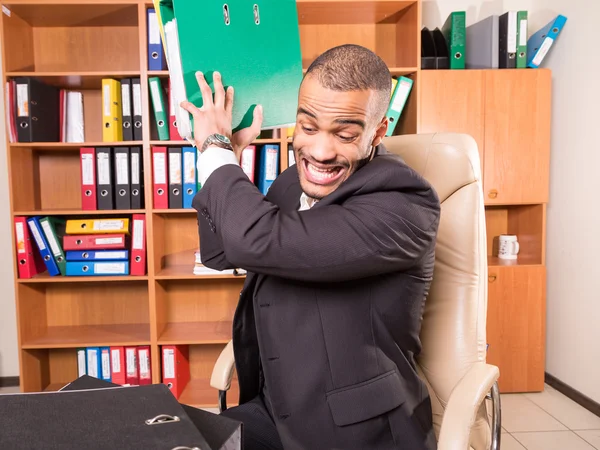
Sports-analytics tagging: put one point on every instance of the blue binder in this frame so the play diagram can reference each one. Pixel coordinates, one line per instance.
(156, 56)
(43, 247)
(541, 41)
(189, 175)
(95, 268)
(268, 167)
(97, 255)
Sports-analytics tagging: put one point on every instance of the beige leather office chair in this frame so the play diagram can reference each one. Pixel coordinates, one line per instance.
(453, 359)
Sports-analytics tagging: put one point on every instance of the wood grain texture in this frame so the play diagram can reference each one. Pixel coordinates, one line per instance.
(517, 135)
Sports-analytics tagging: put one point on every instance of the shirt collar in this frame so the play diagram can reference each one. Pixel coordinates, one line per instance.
(306, 202)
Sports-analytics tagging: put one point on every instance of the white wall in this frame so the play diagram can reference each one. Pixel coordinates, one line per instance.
(573, 223)
(9, 362)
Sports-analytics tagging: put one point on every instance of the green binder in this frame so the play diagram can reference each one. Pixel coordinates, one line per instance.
(521, 39)
(254, 45)
(454, 30)
(160, 108)
(54, 230)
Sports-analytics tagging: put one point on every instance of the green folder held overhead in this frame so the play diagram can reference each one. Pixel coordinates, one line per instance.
(254, 45)
(454, 30)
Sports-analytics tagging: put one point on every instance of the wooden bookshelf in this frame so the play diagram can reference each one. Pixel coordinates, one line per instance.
(76, 43)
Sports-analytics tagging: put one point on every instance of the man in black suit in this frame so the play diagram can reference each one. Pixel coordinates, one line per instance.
(340, 256)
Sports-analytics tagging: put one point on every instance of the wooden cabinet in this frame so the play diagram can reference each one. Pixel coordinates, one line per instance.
(517, 136)
(516, 326)
(508, 113)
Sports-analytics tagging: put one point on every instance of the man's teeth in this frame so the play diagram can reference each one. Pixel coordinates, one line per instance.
(329, 173)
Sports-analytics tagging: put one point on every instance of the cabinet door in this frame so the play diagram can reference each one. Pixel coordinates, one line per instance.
(517, 136)
(516, 329)
(453, 101)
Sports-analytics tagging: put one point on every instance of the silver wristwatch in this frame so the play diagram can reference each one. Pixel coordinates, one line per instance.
(217, 139)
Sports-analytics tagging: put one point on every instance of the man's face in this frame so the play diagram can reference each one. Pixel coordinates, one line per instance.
(333, 136)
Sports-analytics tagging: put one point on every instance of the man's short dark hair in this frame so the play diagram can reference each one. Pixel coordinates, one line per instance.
(351, 67)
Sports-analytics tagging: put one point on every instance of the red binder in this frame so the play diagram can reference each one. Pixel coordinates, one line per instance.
(159, 178)
(144, 364)
(132, 373)
(175, 368)
(173, 132)
(88, 178)
(29, 261)
(94, 242)
(118, 365)
(138, 245)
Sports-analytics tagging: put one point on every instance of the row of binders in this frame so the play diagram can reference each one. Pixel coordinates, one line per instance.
(496, 42)
(132, 365)
(175, 180)
(74, 247)
(112, 178)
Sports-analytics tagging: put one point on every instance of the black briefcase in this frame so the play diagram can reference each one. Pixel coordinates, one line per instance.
(92, 414)
(219, 432)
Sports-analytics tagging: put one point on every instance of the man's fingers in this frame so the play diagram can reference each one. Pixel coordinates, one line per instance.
(189, 107)
(257, 120)
(207, 99)
(219, 90)
(229, 102)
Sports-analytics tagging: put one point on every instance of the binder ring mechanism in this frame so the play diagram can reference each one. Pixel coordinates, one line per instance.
(162, 418)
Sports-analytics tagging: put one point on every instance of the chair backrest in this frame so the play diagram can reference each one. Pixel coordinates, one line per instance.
(454, 322)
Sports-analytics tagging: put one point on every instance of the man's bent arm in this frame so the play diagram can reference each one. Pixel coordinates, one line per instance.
(370, 234)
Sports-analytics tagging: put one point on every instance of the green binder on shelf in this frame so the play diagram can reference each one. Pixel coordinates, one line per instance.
(399, 97)
(254, 45)
(160, 108)
(454, 30)
(54, 230)
(521, 39)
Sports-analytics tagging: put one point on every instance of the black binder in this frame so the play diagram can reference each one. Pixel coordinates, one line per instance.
(122, 178)
(137, 178)
(221, 433)
(141, 417)
(136, 103)
(104, 178)
(175, 166)
(506, 59)
(126, 109)
(37, 111)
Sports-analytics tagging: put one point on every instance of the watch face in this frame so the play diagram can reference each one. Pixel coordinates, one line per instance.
(222, 138)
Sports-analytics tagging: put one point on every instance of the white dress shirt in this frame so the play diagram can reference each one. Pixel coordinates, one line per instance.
(214, 157)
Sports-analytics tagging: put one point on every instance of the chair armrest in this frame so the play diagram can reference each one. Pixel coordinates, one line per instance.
(465, 400)
(223, 371)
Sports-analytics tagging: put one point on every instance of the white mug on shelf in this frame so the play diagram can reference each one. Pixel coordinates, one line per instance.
(508, 246)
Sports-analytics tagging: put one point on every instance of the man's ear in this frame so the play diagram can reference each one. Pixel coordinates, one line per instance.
(380, 132)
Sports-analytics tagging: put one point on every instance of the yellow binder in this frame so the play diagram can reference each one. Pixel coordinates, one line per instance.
(112, 120)
(97, 226)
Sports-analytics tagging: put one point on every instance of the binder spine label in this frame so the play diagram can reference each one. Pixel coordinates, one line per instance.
(160, 173)
(111, 255)
(169, 362)
(189, 172)
(175, 168)
(103, 168)
(116, 361)
(137, 100)
(512, 32)
(51, 240)
(22, 100)
(138, 235)
(20, 232)
(144, 369)
(539, 57)
(37, 237)
(135, 168)
(403, 91)
(125, 103)
(105, 241)
(112, 268)
(81, 362)
(523, 33)
(87, 168)
(106, 96)
(131, 362)
(108, 225)
(153, 29)
(105, 365)
(271, 169)
(122, 168)
(156, 96)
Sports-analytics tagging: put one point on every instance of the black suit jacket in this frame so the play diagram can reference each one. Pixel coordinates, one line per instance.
(333, 299)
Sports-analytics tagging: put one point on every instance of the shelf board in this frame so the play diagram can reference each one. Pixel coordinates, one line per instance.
(185, 333)
(88, 13)
(90, 336)
(75, 80)
(158, 73)
(199, 394)
(72, 145)
(494, 261)
(316, 12)
(175, 211)
(78, 212)
(45, 278)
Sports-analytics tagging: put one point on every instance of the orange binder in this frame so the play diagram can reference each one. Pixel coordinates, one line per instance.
(175, 368)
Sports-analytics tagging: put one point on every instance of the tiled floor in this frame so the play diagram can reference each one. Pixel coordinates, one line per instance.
(540, 421)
